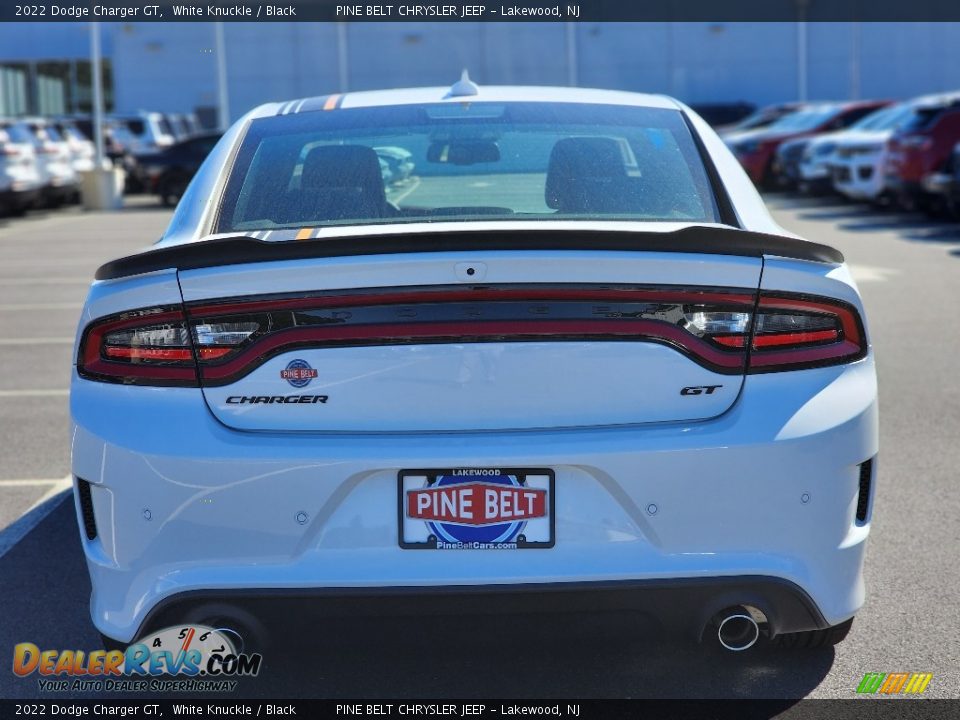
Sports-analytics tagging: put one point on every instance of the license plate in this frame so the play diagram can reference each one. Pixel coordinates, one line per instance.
(476, 509)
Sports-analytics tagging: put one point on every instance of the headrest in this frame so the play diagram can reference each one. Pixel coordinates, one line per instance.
(589, 175)
(342, 166)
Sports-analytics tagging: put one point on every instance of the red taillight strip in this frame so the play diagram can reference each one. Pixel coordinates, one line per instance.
(161, 354)
(851, 345)
(478, 331)
(794, 338)
(148, 353)
(471, 295)
(778, 339)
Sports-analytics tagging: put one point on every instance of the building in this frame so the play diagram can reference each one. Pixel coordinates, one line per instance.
(171, 67)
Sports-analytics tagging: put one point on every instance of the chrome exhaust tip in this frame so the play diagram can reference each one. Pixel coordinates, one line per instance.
(737, 630)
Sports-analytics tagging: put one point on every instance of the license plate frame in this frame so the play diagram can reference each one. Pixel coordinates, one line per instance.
(534, 488)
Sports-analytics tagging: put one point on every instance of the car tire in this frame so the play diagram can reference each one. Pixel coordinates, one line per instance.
(110, 643)
(813, 639)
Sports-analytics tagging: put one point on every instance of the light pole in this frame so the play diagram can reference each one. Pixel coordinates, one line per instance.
(102, 186)
(802, 50)
(855, 60)
(95, 64)
(223, 99)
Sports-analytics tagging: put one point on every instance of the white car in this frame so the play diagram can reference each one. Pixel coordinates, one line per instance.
(82, 150)
(822, 153)
(54, 162)
(577, 361)
(20, 184)
(858, 162)
(146, 132)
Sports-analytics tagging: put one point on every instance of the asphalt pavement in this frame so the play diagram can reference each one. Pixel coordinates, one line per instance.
(908, 270)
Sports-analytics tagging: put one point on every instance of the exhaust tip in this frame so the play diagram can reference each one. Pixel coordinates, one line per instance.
(737, 630)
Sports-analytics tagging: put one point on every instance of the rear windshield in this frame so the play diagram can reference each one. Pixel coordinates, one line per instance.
(922, 118)
(466, 161)
(888, 118)
(135, 126)
(17, 134)
(806, 119)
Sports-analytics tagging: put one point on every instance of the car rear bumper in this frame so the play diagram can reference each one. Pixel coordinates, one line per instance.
(181, 503)
(684, 605)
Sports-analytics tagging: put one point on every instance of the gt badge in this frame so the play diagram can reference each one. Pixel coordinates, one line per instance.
(699, 390)
(298, 373)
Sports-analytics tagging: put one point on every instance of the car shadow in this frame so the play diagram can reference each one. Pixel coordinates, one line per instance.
(551, 656)
(940, 233)
(532, 655)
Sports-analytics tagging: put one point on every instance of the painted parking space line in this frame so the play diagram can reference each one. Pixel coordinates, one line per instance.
(37, 341)
(58, 493)
(57, 487)
(868, 273)
(45, 281)
(27, 482)
(34, 393)
(21, 307)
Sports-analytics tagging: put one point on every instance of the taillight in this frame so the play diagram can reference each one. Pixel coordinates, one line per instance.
(787, 332)
(150, 347)
(797, 331)
(726, 331)
(156, 347)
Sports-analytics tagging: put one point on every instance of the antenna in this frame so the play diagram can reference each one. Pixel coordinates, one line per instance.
(464, 87)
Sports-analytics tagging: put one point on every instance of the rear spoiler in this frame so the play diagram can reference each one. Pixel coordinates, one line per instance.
(243, 249)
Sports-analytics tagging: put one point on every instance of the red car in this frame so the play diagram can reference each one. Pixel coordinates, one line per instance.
(756, 149)
(919, 147)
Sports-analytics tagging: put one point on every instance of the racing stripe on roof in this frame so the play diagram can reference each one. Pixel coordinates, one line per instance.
(304, 233)
(314, 103)
(333, 102)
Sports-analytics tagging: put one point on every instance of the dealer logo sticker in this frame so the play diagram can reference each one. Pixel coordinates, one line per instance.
(476, 509)
(298, 373)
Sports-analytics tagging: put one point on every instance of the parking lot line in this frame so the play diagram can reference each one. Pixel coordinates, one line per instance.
(25, 482)
(56, 488)
(17, 307)
(21, 527)
(46, 281)
(34, 393)
(37, 341)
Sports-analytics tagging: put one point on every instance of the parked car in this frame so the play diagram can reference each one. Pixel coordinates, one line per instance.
(807, 163)
(756, 149)
(920, 147)
(20, 183)
(168, 172)
(82, 149)
(858, 163)
(503, 388)
(953, 188)
(399, 162)
(148, 131)
(179, 125)
(761, 118)
(54, 161)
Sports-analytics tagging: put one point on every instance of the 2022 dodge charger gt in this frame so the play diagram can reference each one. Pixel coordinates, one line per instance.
(571, 362)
